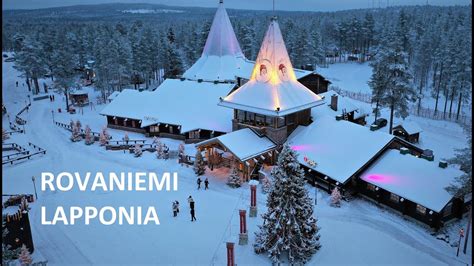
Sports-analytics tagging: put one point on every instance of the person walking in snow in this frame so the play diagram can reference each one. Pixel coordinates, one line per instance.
(53, 97)
(177, 206)
(175, 212)
(193, 218)
(206, 183)
(17, 83)
(191, 202)
(199, 182)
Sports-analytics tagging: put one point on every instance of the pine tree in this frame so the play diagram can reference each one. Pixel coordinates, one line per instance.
(199, 164)
(76, 131)
(336, 198)
(64, 63)
(289, 227)
(103, 137)
(463, 184)
(25, 256)
(138, 150)
(234, 179)
(88, 138)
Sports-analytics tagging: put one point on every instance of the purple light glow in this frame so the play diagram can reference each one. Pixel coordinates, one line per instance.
(380, 178)
(301, 147)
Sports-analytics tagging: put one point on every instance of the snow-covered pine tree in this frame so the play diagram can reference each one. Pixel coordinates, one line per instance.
(336, 198)
(289, 228)
(76, 131)
(5, 135)
(103, 137)
(463, 184)
(25, 256)
(64, 64)
(137, 151)
(391, 69)
(199, 164)
(88, 138)
(234, 179)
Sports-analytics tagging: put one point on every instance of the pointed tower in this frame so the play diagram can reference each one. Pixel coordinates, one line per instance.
(272, 101)
(222, 57)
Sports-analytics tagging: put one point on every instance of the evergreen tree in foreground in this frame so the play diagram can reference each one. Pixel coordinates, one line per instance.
(234, 180)
(199, 165)
(462, 185)
(289, 228)
(25, 256)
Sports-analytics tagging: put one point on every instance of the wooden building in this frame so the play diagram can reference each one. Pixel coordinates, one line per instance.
(409, 131)
(79, 97)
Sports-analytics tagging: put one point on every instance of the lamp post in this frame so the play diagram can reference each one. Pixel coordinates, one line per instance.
(34, 186)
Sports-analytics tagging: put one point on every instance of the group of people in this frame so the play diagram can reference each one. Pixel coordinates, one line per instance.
(175, 206)
(206, 183)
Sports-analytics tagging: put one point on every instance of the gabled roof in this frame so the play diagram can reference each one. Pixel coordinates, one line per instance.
(273, 88)
(189, 104)
(412, 178)
(244, 143)
(339, 148)
(410, 127)
(342, 103)
(222, 57)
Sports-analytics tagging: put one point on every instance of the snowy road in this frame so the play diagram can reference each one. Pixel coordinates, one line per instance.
(357, 233)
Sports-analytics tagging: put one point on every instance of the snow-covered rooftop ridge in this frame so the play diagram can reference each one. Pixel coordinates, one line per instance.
(339, 148)
(190, 104)
(273, 88)
(412, 178)
(222, 57)
(244, 143)
(410, 127)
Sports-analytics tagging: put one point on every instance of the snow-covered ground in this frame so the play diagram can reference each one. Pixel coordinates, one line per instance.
(357, 233)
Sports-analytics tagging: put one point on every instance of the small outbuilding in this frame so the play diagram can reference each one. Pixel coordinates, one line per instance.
(79, 97)
(409, 131)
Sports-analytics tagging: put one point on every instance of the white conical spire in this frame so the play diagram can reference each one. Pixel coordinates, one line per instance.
(222, 57)
(221, 39)
(273, 88)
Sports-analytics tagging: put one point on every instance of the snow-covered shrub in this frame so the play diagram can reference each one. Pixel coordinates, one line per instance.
(76, 131)
(138, 150)
(88, 138)
(103, 137)
(159, 150)
(199, 165)
(336, 198)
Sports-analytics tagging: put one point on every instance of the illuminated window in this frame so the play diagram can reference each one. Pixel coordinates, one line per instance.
(194, 134)
(154, 129)
(420, 209)
(370, 187)
(394, 197)
(280, 121)
(133, 123)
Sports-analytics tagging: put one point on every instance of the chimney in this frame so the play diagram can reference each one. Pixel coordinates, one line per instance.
(334, 102)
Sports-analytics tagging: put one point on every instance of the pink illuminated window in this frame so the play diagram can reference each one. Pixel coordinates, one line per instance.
(394, 197)
(420, 209)
(370, 187)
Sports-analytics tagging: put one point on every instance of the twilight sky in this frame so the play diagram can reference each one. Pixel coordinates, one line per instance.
(293, 5)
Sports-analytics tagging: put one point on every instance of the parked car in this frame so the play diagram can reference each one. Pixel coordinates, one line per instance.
(380, 122)
(10, 59)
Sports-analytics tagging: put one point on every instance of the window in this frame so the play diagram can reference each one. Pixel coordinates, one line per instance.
(125, 122)
(154, 129)
(240, 115)
(290, 119)
(268, 121)
(133, 123)
(260, 119)
(280, 121)
(115, 121)
(171, 129)
(249, 117)
(394, 197)
(194, 135)
(420, 209)
(370, 187)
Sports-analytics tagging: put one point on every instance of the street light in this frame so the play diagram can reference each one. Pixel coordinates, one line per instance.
(34, 186)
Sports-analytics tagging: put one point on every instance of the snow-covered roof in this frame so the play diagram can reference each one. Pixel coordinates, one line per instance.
(410, 127)
(190, 104)
(339, 148)
(273, 88)
(244, 143)
(412, 178)
(78, 92)
(222, 57)
(113, 95)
